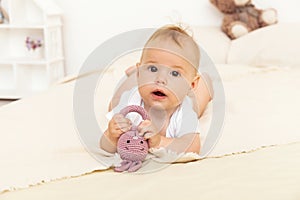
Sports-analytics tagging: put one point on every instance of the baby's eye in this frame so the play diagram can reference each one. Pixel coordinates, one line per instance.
(175, 73)
(152, 68)
(128, 141)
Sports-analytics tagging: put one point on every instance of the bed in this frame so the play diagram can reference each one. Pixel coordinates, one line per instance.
(256, 157)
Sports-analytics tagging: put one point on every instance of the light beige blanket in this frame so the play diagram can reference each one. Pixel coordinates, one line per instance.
(268, 173)
(39, 142)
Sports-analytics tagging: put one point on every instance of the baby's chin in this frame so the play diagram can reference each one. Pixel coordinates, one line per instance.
(157, 106)
(162, 106)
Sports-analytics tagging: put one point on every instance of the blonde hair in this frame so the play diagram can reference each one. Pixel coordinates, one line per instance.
(181, 38)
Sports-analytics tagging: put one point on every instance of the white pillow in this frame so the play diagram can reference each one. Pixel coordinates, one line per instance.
(215, 43)
(276, 45)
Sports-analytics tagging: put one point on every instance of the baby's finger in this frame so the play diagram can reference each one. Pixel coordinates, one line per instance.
(123, 123)
(141, 130)
(146, 132)
(143, 125)
(123, 126)
(125, 129)
(118, 116)
(123, 120)
(117, 132)
(149, 134)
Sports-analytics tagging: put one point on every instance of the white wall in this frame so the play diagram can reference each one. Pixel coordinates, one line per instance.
(87, 23)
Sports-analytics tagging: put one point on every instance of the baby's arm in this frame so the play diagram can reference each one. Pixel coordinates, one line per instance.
(186, 143)
(116, 127)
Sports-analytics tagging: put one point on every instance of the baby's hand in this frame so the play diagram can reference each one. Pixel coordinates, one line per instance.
(150, 132)
(118, 125)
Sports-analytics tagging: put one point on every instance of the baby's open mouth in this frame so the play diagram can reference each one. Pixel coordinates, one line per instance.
(159, 93)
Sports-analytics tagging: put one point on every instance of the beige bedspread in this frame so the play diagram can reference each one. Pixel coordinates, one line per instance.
(39, 143)
(268, 173)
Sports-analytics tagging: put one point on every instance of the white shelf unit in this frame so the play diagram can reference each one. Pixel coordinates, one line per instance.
(24, 72)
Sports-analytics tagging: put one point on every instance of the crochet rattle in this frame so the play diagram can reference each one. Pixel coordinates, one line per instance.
(132, 148)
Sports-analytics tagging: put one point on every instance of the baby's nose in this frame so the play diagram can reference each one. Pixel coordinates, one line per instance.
(161, 78)
(160, 81)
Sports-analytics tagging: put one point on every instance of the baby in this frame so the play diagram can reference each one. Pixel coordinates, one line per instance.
(168, 88)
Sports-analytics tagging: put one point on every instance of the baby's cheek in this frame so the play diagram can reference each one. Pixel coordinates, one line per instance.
(179, 88)
(145, 78)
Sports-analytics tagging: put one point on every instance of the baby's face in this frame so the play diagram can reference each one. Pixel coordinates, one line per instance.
(164, 79)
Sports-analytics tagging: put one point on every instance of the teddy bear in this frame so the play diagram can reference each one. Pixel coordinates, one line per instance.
(242, 17)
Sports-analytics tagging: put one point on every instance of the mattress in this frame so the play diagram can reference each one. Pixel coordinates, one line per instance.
(255, 157)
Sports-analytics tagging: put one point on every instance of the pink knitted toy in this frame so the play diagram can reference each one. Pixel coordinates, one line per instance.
(132, 148)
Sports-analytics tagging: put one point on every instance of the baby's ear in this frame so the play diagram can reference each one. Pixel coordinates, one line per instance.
(195, 82)
(137, 65)
(130, 70)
